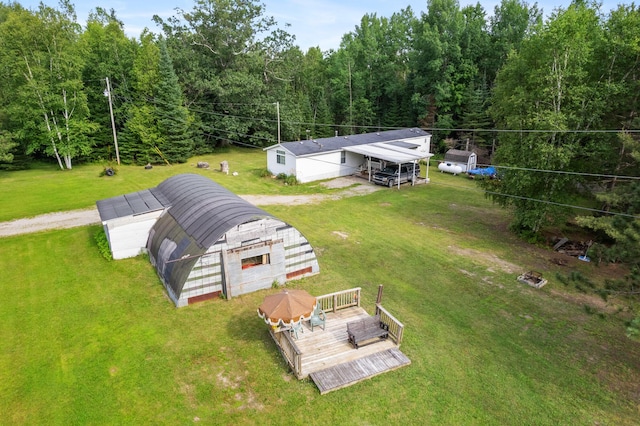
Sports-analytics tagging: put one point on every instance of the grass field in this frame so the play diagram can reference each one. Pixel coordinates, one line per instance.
(45, 188)
(86, 341)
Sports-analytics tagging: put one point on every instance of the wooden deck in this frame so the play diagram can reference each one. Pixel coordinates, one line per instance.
(325, 348)
(329, 354)
(343, 375)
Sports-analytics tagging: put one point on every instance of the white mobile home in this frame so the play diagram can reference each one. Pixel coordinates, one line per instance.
(327, 158)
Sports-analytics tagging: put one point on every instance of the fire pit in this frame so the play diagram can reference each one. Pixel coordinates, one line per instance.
(533, 279)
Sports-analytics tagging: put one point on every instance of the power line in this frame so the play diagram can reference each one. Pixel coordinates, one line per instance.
(434, 129)
(608, 176)
(459, 187)
(539, 201)
(430, 129)
(562, 172)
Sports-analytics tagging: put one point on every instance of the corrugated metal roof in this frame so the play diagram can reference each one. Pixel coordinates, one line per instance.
(335, 143)
(201, 213)
(204, 209)
(389, 152)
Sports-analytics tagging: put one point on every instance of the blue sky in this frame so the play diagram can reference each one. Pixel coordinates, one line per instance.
(314, 22)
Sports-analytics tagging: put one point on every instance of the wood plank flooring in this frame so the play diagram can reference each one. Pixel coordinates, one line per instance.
(348, 373)
(329, 348)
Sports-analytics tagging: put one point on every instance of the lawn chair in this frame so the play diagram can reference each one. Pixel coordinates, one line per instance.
(295, 328)
(318, 317)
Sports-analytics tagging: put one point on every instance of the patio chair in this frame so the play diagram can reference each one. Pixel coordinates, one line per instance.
(318, 317)
(295, 328)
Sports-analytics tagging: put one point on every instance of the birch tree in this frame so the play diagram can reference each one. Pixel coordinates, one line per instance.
(549, 90)
(44, 67)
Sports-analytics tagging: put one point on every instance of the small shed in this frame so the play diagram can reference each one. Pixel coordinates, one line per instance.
(466, 160)
(207, 241)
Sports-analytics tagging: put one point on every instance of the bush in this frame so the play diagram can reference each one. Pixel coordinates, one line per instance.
(633, 328)
(291, 180)
(287, 179)
(103, 244)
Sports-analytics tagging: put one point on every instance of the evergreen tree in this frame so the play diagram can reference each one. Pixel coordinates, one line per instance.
(622, 230)
(173, 119)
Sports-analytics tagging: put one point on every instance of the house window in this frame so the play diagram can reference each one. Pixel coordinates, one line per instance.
(280, 156)
(250, 262)
(343, 157)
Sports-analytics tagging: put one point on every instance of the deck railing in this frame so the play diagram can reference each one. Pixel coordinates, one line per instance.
(396, 328)
(289, 350)
(333, 302)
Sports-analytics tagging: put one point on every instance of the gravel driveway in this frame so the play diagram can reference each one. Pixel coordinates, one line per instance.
(70, 219)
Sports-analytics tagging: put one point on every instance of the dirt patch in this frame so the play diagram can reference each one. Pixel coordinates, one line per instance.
(594, 301)
(342, 182)
(290, 200)
(488, 259)
(342, 235)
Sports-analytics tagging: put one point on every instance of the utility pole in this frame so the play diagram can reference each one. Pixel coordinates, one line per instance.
(278, 112)
(113, 123)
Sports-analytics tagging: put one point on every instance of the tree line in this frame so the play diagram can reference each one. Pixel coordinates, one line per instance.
(211, 75)
(554, 93)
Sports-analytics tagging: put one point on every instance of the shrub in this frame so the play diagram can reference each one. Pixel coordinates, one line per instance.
(287, 179)
(633, 328)
(291, 180)
(103, 244)
(263, 173)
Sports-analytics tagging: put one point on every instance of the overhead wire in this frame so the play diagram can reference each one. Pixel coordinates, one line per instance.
(431, 129)
(562, 172)
(254, 137)
(539, 201)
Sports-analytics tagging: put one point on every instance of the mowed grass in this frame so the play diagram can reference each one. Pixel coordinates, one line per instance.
(45, 188)
(83, 340)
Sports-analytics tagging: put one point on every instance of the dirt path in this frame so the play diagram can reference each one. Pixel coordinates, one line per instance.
(74, 218)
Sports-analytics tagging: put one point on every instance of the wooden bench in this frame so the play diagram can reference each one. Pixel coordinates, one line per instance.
(366, 329)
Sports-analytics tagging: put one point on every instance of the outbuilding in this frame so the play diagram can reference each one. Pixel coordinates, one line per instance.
(206, 241)
(466, 160)
(326, 158)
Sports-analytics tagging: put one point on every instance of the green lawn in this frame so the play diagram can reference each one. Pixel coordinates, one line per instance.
(46, 188)
(86, 341)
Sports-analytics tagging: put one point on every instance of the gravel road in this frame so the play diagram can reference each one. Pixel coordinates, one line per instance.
(74, 218)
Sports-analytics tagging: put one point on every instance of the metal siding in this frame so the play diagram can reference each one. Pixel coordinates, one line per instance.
(201, 211)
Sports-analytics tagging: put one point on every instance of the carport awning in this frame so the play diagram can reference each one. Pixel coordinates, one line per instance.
(388, 152)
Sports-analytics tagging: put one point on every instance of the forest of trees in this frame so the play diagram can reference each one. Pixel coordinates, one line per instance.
(551, 99)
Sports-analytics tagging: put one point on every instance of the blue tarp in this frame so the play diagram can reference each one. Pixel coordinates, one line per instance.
(483, 171)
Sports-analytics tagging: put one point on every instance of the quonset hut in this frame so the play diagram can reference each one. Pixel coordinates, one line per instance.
(208, 241)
